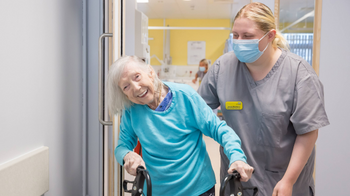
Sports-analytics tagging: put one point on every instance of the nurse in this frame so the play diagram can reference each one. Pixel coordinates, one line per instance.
(202, 70)
(273, 100)
(168, 119)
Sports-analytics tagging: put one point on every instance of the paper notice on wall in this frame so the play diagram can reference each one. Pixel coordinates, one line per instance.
(195, 52)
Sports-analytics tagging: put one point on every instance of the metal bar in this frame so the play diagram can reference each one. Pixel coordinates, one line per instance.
(85, 95)
(105, 67)
(100, 81)
(122, 52)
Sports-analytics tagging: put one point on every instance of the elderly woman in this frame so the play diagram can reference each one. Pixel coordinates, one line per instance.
(169, 120)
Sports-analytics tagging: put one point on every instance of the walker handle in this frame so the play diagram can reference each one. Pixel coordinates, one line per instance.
(236, 187)
(138, 183)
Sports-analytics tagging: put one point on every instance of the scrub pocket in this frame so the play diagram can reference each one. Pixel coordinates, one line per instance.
(270, 132)
(271, 178)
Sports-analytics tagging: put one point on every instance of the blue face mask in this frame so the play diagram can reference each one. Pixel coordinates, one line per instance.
(201, 68)
(247, 51)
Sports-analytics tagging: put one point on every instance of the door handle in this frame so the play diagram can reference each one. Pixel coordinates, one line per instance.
(101, 53)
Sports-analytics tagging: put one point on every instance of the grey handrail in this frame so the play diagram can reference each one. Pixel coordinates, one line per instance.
(100, 79)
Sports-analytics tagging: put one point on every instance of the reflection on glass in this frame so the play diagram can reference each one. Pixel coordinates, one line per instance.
(296, 24)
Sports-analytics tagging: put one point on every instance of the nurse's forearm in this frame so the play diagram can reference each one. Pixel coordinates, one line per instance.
(303, 147)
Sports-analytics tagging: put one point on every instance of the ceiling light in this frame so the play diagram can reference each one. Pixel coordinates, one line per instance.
(186, 0)
(142, 1)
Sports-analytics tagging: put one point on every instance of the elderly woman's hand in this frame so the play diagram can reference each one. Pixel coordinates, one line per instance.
(243, 169)
(131, 161)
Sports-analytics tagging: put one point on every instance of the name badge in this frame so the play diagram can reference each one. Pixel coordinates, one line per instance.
(234, 105)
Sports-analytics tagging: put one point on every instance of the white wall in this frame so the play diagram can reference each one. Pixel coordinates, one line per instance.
(333, 149)
(41, 86)
(130, 7)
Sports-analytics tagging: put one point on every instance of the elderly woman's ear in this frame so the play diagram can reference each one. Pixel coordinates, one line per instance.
(151, 72)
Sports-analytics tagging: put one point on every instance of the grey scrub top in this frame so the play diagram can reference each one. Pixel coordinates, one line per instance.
(201, 74)
(289, 101)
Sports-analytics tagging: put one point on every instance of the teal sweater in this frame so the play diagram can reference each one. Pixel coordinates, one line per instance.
(172, 144)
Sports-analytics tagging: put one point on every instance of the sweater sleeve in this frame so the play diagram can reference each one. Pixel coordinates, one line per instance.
(309, 111)
(127, 138)
(210, 125)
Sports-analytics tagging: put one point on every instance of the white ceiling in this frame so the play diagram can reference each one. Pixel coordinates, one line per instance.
(194, 9)
(290, 10)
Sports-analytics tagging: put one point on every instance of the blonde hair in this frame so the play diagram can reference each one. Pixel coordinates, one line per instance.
(117, 100)
(205, 61)
(263, 17)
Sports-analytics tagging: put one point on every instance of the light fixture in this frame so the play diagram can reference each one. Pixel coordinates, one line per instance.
(142, 1)
(187, 0)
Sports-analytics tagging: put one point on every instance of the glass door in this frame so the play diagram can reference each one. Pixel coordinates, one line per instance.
(299, 21)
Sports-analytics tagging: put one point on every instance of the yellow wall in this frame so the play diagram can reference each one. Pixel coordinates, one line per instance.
(214, 39)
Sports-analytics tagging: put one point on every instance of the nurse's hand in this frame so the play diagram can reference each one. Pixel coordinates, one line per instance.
(243, 169)
(194, 81)
(283, 188)
(131, 161)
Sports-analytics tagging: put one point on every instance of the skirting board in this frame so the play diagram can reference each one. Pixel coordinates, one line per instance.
(27, 175)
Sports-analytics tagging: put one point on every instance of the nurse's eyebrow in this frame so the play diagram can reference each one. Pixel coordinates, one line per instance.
(245, 33)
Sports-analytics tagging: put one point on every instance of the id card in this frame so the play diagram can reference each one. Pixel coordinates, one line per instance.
(234, 105)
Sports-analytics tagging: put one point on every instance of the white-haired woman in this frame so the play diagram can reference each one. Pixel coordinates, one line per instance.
(169, 120)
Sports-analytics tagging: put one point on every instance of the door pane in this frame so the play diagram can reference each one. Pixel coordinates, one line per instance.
(296, 24)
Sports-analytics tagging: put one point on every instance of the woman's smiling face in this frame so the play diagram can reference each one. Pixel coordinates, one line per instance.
(137, 84)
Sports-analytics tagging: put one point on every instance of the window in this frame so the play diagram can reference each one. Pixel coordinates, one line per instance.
(301, 44)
